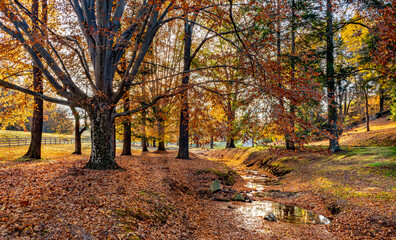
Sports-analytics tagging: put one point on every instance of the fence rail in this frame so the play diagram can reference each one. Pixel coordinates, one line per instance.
(16, 142)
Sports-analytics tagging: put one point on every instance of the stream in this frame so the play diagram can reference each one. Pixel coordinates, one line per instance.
(253, 214)
(261, 208)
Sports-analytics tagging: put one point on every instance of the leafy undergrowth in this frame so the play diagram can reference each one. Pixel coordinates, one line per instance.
(355, 187)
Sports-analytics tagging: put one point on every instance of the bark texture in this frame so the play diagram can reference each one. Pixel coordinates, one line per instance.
(334, 146)
(102, 137)
(34, 151)
(127, 143)
(183, 152)
(288, 137)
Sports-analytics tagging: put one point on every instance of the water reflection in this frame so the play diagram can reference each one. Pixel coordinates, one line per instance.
(256, 182)
(282, 212)
(259, 209)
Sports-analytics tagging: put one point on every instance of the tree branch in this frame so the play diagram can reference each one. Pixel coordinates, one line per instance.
(35, 94)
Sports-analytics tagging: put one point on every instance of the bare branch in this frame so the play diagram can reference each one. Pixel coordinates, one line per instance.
(36, 94)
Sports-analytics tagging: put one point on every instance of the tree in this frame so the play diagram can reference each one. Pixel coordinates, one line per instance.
(34, 151)
(330, 80)
(183, 152)
(127, 140)
(77, 131)
(108, 33)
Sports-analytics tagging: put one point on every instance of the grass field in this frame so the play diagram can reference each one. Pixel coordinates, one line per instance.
(22, 134)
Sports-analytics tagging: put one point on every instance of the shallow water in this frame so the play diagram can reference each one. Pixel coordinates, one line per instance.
(259, 209)
(282, 212)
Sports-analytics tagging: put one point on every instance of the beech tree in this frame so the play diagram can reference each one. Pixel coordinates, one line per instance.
(34, 151)
(107, 32)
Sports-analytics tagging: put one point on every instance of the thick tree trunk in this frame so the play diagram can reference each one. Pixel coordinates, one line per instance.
(34, 151)
(211, 142)
(154, 144)
(332, 104)
(144, 146)
(184, 113)
(127, 143)
(126, 146)
(102, 138)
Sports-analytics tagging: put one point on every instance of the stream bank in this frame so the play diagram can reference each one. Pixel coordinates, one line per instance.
(359, 200)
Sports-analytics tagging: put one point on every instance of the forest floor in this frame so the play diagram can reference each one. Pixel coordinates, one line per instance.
(382, 133)
(157, 196)
(356, 187)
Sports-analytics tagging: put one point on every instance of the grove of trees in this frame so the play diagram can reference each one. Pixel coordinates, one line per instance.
(193, 72)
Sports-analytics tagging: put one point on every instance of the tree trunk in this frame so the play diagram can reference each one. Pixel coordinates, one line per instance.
(161, 134)
(144, 145)
(127, 143)
(288, 137)
(102, 138)
(332, 104)
(211, 142)
(77, 132)
(144, 137)
(367, 110)
(339, 85)
(77, 137)
(154, 144)
(34, 151)
(382, 99)
(345, 102)
(230, 143)
(184, 113)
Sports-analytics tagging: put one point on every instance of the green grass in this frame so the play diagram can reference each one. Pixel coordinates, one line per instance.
(387, 169)
(378, 152)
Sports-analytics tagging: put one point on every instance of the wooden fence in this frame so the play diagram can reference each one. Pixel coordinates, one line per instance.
(16, 142)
